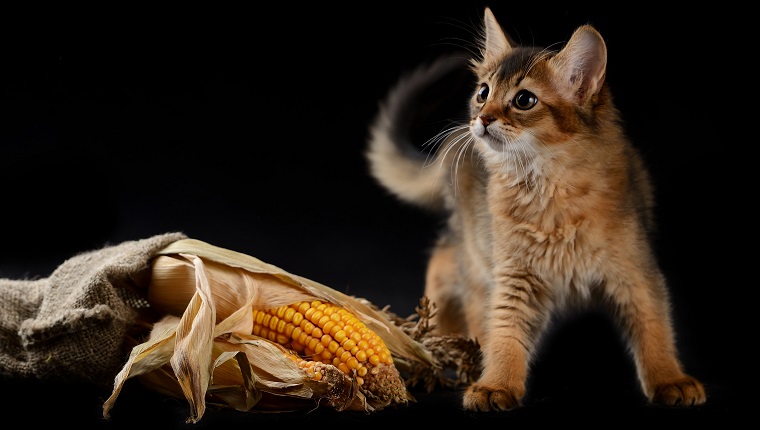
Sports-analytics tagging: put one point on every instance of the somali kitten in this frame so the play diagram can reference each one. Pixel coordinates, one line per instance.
(549, 206)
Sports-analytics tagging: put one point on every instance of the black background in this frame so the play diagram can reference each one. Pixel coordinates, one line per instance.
(245, 128)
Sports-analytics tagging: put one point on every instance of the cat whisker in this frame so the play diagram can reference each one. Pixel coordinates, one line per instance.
(461, 45)
(473, 32)
(538, 58)
(517, 156)
(458, 146)
(467, 139)
(558, 160)
(435, 150)
(441, 153)
(434, 142)
(523, 163)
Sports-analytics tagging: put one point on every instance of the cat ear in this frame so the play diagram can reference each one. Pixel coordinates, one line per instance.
(582, 63)
(496, 43)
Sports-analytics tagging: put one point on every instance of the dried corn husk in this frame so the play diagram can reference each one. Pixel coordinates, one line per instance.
(203, 348)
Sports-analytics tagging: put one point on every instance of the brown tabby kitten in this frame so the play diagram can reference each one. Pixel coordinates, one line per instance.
(550, 206)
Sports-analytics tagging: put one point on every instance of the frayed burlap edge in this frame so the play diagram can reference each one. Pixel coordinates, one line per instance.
(71, 325)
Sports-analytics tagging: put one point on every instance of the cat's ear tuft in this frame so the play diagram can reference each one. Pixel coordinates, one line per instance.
(582, 63)
(496, 43)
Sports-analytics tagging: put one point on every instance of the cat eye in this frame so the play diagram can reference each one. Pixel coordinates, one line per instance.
(524, 100)
(483, 93)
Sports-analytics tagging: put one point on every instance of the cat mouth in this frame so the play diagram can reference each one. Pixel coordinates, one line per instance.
(493, 138)
(493, 141)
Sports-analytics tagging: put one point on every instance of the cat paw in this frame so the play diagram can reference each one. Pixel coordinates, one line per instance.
(484, 398)
(685, 391)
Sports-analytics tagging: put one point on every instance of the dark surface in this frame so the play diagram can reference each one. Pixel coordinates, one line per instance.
(245, 128)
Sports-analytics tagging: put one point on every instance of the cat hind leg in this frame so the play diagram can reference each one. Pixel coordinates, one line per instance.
(682, 391)
(646, 322)
(440, 288)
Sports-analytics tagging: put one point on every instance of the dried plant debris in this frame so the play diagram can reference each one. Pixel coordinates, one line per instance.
(456, 359)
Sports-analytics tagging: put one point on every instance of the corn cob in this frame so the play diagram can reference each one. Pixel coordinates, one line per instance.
(323, 333)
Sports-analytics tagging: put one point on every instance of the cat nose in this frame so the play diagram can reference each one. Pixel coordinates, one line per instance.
(487, 119)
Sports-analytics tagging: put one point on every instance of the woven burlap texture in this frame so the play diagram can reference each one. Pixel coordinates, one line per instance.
(70, 326)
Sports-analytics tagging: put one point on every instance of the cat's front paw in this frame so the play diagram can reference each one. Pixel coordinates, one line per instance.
(685, 391)
(483, 398)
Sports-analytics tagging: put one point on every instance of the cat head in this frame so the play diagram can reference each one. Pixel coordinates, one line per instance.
(535, 96)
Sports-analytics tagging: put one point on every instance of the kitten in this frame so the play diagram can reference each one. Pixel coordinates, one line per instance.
(549, 205)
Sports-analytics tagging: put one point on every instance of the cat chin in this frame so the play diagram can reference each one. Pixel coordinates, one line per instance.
(487, 138)
(492, 146)
(496, 152)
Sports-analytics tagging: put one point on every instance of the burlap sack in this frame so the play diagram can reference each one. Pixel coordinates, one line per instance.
(71, 325)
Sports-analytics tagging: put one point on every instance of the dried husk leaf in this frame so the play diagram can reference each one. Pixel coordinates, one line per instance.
(146, 357)
(206, 351)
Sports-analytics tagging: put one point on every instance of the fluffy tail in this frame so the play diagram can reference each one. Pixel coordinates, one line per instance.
(398, 158)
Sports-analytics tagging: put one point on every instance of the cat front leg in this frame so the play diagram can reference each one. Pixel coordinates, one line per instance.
(643, 310)
(502, 384)
(518, 314)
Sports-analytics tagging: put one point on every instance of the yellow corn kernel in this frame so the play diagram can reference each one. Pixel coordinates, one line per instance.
(281, 312)
(324, 333)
